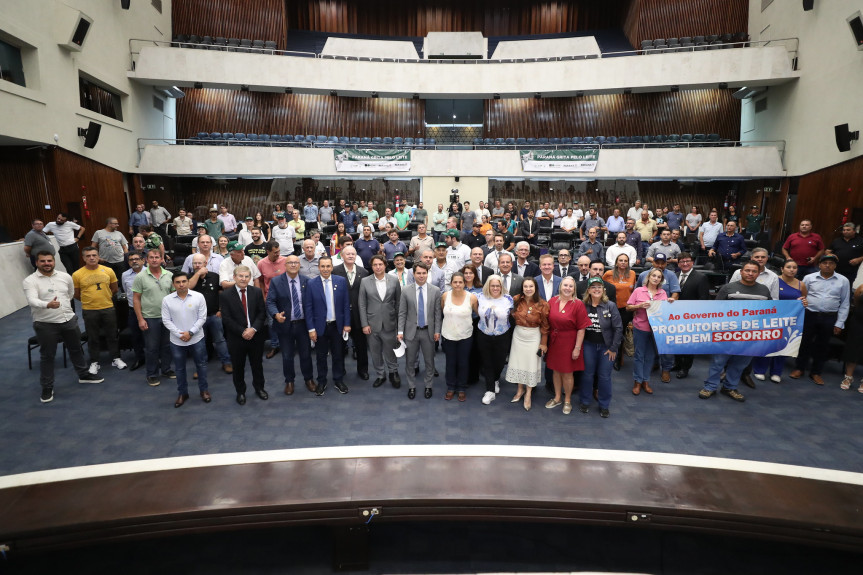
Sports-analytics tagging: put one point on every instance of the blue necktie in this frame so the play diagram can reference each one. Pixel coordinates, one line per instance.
(421, 312)
(295, 300)
(331, 314)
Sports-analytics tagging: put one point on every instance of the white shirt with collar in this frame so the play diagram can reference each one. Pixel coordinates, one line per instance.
(41, 290)
(548, 285)
(185, 314)
(240, 295)
(381, 285)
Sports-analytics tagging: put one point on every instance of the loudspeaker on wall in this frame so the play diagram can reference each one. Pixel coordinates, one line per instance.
(844, 137)
(90, 134)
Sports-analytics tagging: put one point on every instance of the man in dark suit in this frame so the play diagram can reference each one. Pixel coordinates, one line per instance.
(354, 274)
(547, 284)
(507, 275)
(596, 270)
(379, 298)
(694, 285)
(285, 306)
(522, 266)
(419, 325)
(243, 317)
(564, 266)
(477, 257)
(529, 228)
(327, 308)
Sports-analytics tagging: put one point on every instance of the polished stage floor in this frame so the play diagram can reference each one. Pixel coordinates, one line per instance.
(123, 419)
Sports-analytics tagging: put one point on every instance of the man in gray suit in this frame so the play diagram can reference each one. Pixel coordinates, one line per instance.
(509, 278)
(380, 294)
(420, 317)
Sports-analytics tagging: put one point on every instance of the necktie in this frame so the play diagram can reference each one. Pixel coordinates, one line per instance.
(243, 301)
(506, 283)
(583, 278)
(331, 315)
(295, 300)
(563, 271)
(351, 277)
(683, 278)
(421, 312)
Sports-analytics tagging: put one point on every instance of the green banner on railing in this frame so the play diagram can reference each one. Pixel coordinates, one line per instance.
(559, 160)
(361, 160)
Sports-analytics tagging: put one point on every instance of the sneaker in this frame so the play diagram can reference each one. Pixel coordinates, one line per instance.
(583, 408)
(603, 412)
(169, 374)
(496, 387)
(153, 381)
(758, 376)
(488, 397)
(90, 378)
(706, 393)
(732, 393)
(552, 403)
(775, 379)
(94, 368)
(119, 363)
(846, 382)
(47, 395)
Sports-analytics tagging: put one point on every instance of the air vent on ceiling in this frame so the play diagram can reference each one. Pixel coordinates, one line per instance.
(159, 103)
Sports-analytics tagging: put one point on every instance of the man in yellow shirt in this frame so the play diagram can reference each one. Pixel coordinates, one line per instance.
(298, 225)
(94, 287)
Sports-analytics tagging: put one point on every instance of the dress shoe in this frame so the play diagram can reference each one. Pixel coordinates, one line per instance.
(449, 394)
(241, 398)
(416, 370)
(436, 374)
(379, 382)
(363, 376)
(395, 379)
(516, 398)
(355, 354)
(747, 381)
(616, 366)
(462, 396)
(595, 394)
(796, 374)
(272, 353)
(636, 388)
(262, 393)
(526, 403)
(645, 385)
(181, 400)
(683, 374)
(289, 388)
(205, 395)
(817, 379)
(320, 389)
(311, 385)
(340, 385)
(227, 368)
(428, 393)
(412, 393)
(666, 376)
(136, 364)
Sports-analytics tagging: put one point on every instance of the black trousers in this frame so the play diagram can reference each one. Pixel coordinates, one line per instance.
(330, 341)
(71, 258)
(493, 350)
(360, 343)
(294, 338)
(253, 349)
(815, 342)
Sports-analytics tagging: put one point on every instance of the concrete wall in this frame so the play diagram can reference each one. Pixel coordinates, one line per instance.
(50, 103)
(455, 44)
(548, 48)
(828, 91)
(436, 190)
(370, 48)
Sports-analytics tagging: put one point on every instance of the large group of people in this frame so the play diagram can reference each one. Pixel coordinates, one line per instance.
(467, 281)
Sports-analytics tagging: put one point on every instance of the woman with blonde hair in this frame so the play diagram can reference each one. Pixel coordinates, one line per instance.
(645, 348)
(567, 319)
(601, 342)
(494, 308)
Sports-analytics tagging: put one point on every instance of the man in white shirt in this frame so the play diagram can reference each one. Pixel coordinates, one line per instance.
(183, 223)
(621, 247)
(245, 235)
(569, 223)
(577, 212)
(635, 211)
(420, 242)
(457, 254)
(67, 238)
(284, 234)
(709, 231)
(49, 294)
(481, 211)
(387, 219)
(229, 220)
(237, 258)
(184, 313)
(491, 260)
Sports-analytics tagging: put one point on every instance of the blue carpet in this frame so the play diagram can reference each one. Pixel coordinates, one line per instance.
(123, 419)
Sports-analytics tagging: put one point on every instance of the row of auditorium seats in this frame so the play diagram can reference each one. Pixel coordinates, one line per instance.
(659, 140)
(308, 141)
(224, 44)
(694, 43)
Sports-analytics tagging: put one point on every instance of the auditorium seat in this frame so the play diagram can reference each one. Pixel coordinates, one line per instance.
(377, 142)
(179, 40)
(258, 46)
(673, 141)
(521, 142)
(241, 138)
(228, 137)
(245, 45)
(193, 41)
(499, 142)
(264, 139)
(477, 143)
(713, 139)
(309, 140)
(344, 141)
(320, 141)
(354, 141)
(387, 142)
(409, 143)
(207, 42)
(233, 44)
(588, 140)
(554, 141)
(366, 141)
(611, 142)
(542, 141)
(531, 142)
(699, 140)
(252, 139)
(270, 47)
(332, 142)
(600, 140)
(398, 142)
(420, 143)
(686, 140)
(219, 43)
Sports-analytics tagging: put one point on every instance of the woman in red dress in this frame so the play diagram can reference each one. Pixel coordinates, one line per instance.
(568, 320)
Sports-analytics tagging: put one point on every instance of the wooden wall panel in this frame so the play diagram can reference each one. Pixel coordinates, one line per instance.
(823, 195)
(690, 111)
(491, 17)
(269, 113)
(652, 19)
(252, 19)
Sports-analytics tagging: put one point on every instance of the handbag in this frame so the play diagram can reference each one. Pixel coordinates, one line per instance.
(628, 343)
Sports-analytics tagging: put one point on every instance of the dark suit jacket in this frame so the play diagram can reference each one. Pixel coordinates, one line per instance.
(315, 304)
(697, 287)
(610, 290)
(572, 270)
(540, 285)
(529, 227)
(279, 298)
(233, 318)
(530, 271)
(484, 273)
(515, 282)
(353, 290)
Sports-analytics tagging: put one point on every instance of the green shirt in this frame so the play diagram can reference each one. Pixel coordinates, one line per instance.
(402, 219)
(154, 240)
(753, 223)
(214, 230)
(152, 291)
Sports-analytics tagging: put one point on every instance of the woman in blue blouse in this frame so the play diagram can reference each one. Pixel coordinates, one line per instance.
(494, 337)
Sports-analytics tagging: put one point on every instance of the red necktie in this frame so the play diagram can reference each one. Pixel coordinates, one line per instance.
(243, 299)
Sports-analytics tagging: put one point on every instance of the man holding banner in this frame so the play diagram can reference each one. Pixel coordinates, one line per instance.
(746, 289)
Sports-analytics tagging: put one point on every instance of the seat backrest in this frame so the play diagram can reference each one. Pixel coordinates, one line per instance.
(240, 135)
(264, 137)
(520, 141)
(377, 140)
(320, 139)
(354, 140)
(686, 138)
(366, 140)
(387, 140)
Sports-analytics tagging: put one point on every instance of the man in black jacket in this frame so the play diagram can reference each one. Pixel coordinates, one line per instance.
(694, 285)
(354, 274)
(243, 316)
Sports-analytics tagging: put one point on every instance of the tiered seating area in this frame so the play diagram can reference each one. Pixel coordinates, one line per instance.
(308, 141)
(694, 43)
(610, 142)
(224, 44)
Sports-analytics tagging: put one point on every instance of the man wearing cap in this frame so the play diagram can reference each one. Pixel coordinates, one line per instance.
(828, 302)
(753, 223)
(440, 267)
(215, 226)
(474, 237)
(379, 306)
(457, 254)
(237, 258)
(284, 234)
(577, 212)
(394, 245)
(245, 234)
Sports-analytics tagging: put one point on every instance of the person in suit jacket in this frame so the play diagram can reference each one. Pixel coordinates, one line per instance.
(508, 277)
(379, 319)
(285, 307)
(420, 332)
(521, 266)
(694, 285)
(529, 227)
(546, 266)
(477, 258)
(564, 266)
(597, 269)
(354, 274)
(327, 307)
(244, 322)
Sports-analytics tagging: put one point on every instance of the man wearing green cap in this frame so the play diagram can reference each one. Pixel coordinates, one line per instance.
(237, 258)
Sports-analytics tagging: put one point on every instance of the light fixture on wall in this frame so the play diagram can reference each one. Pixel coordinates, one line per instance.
(244, 88)
(538, 95)
(333, 93)
(198, 85)
(675, 89)
(374, 94)
(416, 96)
(723, 85)
(289, 90)
(627, 90)
(580, 94)
(497, 96)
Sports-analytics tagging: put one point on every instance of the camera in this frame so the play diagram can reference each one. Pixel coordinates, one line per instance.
(453, 196)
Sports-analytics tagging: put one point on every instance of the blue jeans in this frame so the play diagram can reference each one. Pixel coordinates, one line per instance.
(733, 366)
(137, 335)
(775, 365)
(645, 351)
(457, 362)
(274, 336)
(214, 330)
(199, 354)
(596, 362)
(157, 347)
